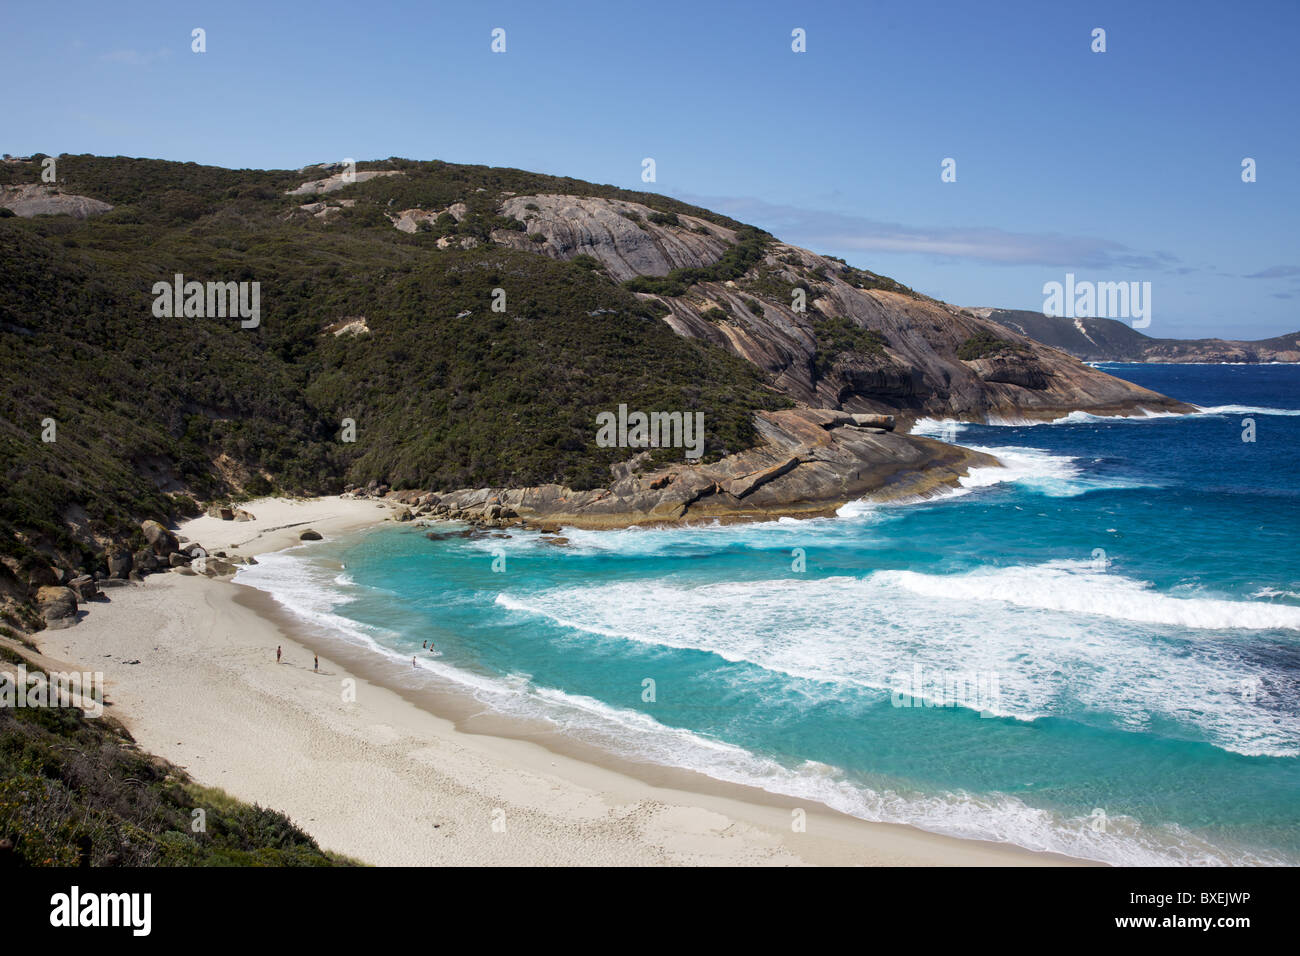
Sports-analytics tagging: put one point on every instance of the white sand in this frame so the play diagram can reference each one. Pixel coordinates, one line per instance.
(391, 783)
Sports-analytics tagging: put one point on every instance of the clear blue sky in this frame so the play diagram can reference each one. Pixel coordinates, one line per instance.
(1123, 165)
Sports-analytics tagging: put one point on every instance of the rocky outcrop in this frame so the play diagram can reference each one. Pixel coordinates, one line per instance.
(410, 220)
(324, 210)
(352, 325)
(34, 199)
(309, 535)
(810, 462)
(1011, 370)
(337, 181)
(620, 234)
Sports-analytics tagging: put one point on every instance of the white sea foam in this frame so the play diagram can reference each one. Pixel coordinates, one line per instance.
(999, 818)
(946, 427)
(1077, 587)
(1054, 476)
(1247, 410)
(1269, 593)
(850, 632)
(1091, 650)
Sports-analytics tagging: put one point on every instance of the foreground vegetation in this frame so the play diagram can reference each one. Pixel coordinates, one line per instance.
(76, 791)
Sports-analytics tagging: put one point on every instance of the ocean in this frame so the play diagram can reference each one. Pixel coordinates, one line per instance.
(1095, 651)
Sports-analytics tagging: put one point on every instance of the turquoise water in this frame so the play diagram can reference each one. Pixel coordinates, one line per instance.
(1106, 634)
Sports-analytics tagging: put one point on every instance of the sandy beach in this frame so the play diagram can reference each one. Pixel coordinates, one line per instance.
(392, 776)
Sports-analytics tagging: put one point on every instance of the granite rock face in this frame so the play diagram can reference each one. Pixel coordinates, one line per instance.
(35, 199)
(337, 181)
(620, 234)
(916, 374)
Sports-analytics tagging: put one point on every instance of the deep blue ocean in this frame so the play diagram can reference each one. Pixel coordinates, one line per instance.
(1094, 651)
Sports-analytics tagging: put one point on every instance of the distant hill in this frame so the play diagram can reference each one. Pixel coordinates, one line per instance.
(1109, 340)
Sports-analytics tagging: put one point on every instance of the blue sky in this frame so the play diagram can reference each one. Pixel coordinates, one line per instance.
(1116, 166)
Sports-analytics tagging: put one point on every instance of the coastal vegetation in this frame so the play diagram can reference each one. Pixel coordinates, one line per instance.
(983, 344)
(837, 337)
(76, 791)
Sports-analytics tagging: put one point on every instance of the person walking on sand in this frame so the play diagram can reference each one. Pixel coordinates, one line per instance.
(277, 653)
(316, 666)
(412, 661)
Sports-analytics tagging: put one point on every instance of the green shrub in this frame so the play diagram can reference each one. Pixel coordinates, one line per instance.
(983, 344)
(837, 337)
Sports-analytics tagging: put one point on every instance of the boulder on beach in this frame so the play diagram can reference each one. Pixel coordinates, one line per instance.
(217, 568)
(309, 535)
(41, 575)
(85, 587)
(144, 560)
(58, 606)
(160, 539)
(119, 563)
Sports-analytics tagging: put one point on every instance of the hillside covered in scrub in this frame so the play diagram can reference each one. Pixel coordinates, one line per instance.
(76, 791)
(377, 294)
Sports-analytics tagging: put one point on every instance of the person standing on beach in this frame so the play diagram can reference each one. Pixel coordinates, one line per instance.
(316, 666)
(277, 653)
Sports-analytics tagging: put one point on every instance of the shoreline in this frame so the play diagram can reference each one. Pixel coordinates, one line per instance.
(419, 775)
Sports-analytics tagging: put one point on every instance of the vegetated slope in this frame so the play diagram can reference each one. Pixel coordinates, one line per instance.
(150, 412)
(76, 791)
(1109, 340)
